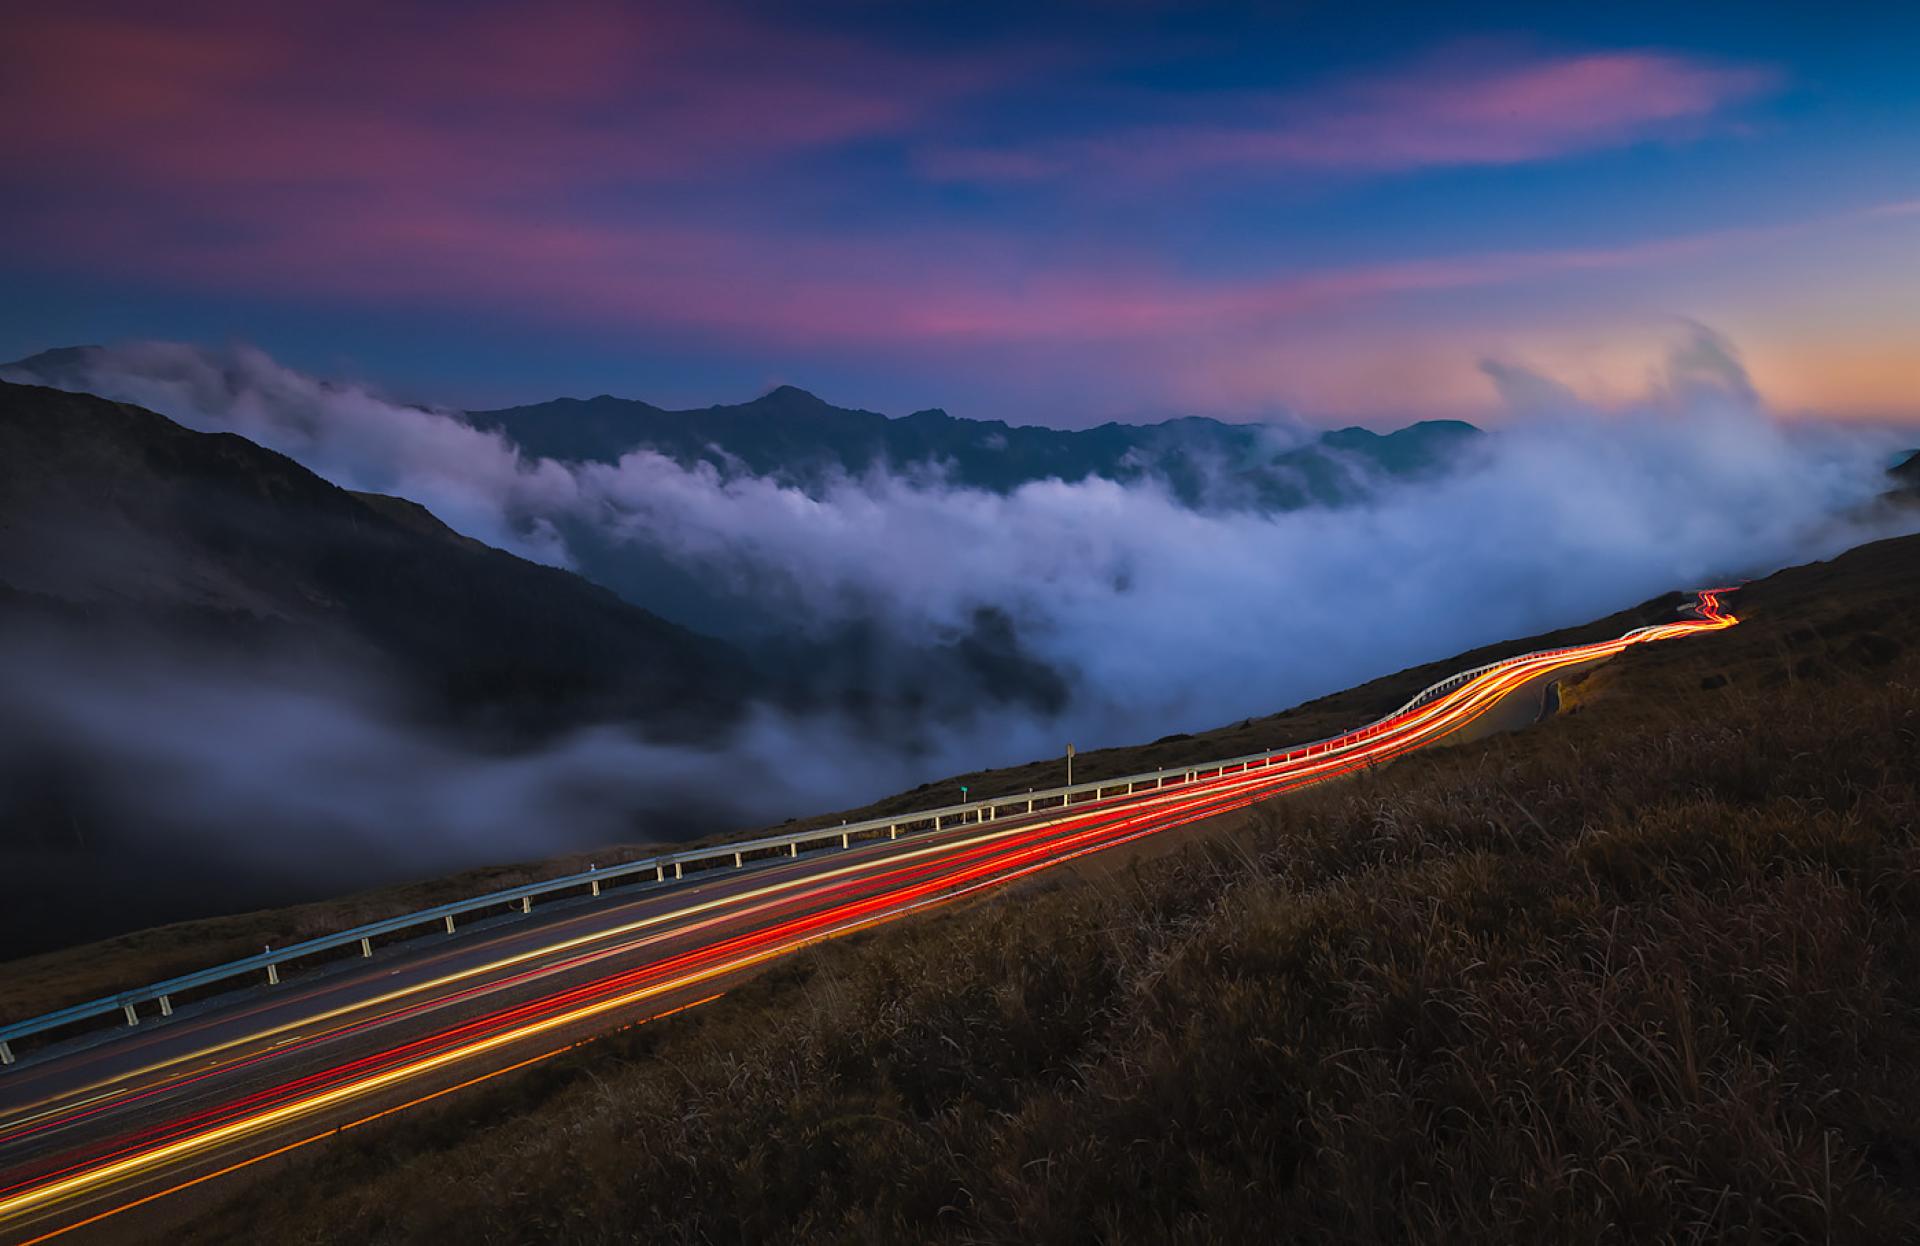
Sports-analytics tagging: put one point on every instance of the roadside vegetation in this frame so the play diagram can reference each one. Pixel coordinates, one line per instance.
(1649, 972)
(41, 983)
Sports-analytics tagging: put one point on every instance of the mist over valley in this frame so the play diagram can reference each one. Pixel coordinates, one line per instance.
(267, 627)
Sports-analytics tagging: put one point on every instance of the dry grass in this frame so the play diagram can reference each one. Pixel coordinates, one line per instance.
(1649, 973)
(37, 984)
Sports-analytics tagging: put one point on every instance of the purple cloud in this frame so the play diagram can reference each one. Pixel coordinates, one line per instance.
(1448, 110)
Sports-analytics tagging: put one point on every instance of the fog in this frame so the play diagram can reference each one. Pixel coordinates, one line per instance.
(1162, 617)
(1159, 617)
(144, 781)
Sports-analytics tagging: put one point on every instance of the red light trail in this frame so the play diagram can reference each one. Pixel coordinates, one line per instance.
(165, 1125)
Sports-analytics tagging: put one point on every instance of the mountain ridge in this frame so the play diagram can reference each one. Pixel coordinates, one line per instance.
(799, 439)
(793, 435)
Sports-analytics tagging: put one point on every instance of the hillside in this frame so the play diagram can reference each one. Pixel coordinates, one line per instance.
(1647, 972)
(158, 583)
(838, 654)
(119, 515)
(53, 979)
(1906, 480)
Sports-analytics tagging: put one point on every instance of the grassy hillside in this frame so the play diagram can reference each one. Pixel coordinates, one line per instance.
(40, 983)
(1650, 972)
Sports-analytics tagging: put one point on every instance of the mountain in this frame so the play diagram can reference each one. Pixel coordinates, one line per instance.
(114, 517)
(1907, 471)
(800, 440)
(793, 436)
(855, 667)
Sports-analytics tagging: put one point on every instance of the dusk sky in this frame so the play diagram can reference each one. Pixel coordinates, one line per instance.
(1059, 215)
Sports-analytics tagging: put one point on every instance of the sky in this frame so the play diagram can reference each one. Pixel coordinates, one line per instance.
(1055, 214)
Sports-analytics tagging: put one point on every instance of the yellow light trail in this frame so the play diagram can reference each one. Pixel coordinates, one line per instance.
(310, 1139)
(1203, 798)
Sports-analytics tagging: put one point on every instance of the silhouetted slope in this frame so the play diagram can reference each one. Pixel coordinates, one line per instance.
(1906, 481)
(118, 516)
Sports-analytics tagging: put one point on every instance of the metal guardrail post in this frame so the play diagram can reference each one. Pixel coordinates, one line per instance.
(934, 820)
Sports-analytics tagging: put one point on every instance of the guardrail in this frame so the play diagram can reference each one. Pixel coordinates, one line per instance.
(672, 867)
(665, 868)
(1454, 681)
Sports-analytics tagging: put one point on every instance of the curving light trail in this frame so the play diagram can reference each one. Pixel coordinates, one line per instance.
(120, 1141)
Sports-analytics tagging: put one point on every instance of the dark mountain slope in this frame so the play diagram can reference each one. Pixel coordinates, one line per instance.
(1906, 480)
(227, 682)
(118, 515)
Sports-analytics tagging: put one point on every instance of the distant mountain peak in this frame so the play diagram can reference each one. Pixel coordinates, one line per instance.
(789, 395)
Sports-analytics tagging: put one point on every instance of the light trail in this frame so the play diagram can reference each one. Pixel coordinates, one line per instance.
(776, 919)
(310, 1139)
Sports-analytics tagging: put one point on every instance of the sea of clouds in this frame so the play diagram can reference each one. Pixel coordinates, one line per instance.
(1160, 617)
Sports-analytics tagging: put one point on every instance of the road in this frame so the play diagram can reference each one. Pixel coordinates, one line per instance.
(128, 1121)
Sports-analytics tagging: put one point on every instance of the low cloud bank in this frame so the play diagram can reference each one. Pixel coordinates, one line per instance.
(143, 782)
(220, 752)
(1159, 617)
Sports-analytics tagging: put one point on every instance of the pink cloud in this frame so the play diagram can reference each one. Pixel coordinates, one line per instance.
(932, 290)
(1517, 113)
(387, 154)
(1441, 112)
(192, 98)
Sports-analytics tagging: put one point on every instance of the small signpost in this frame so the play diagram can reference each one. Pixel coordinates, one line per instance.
(1069, 766)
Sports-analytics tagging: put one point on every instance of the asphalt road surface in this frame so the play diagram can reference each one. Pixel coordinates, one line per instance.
(99, 1137)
